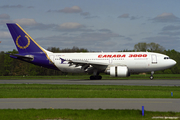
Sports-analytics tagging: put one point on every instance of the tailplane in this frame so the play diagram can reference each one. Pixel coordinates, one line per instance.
(24, 42)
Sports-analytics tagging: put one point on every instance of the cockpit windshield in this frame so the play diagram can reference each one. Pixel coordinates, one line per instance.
(166, 58)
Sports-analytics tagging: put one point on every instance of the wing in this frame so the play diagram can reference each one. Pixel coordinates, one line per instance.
(81, 62)
(86, 64)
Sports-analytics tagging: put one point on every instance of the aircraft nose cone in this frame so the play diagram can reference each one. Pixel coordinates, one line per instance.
(173, 62)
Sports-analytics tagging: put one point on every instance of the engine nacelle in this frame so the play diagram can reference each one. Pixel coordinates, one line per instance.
(119, 71)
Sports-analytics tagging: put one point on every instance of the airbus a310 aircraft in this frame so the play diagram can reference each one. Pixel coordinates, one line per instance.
(117, 64)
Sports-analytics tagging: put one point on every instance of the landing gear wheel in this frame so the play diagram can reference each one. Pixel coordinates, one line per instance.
(151, 77)
(92, 77)
(99, 77)
(95, 77)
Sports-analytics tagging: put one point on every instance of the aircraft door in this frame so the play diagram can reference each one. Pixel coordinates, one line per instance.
(154, 59)
(110, 60)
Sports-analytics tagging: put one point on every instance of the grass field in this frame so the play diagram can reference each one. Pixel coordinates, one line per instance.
(86, 77)
(67, 114)
(86, 91)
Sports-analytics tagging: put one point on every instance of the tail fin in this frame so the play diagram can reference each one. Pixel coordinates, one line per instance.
(23, 42)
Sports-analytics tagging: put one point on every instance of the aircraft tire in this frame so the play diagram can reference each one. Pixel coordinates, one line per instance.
(151, 77)
(92, 77)
(99, 77)
(95, 77)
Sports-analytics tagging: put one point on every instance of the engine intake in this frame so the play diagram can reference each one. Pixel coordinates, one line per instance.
(119, 71)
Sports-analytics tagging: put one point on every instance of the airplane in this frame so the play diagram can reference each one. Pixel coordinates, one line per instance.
(116, 64)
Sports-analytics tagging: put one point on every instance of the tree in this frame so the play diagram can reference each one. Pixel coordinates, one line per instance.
(175, 56)
(141, 46)
(54, 49)
(1, 63)
(67, 50)
(153, 47)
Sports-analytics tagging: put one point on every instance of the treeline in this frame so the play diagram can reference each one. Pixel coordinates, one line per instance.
(14, 67)
(67, 50)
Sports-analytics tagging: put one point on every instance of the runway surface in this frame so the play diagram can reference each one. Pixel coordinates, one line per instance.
(91, 103)
(97, 82)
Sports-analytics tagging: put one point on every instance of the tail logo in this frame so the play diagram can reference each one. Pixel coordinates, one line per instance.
(23, 47)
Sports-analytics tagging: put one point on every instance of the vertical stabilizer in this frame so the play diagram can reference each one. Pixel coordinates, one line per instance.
(23, 42)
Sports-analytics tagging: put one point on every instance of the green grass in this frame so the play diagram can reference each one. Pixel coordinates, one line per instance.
(86, 77)
(67, 114)
(86, 91)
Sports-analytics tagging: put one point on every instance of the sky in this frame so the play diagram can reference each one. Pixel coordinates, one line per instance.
(97, 25)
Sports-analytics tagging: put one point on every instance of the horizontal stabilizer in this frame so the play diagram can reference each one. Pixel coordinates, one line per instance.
(26, 57)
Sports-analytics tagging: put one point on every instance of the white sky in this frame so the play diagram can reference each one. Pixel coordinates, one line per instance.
(97, 25)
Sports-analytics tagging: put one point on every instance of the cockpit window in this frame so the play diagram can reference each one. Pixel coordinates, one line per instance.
(166, 58)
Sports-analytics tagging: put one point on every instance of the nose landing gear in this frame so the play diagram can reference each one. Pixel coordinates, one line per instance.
(151, 77)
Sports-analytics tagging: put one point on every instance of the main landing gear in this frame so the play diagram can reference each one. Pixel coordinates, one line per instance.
(151, 77)
(95, 77)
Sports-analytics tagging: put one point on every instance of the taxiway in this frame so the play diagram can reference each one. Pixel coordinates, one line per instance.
(91, 103)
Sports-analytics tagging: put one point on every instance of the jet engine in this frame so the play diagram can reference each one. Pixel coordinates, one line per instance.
(118, 71)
